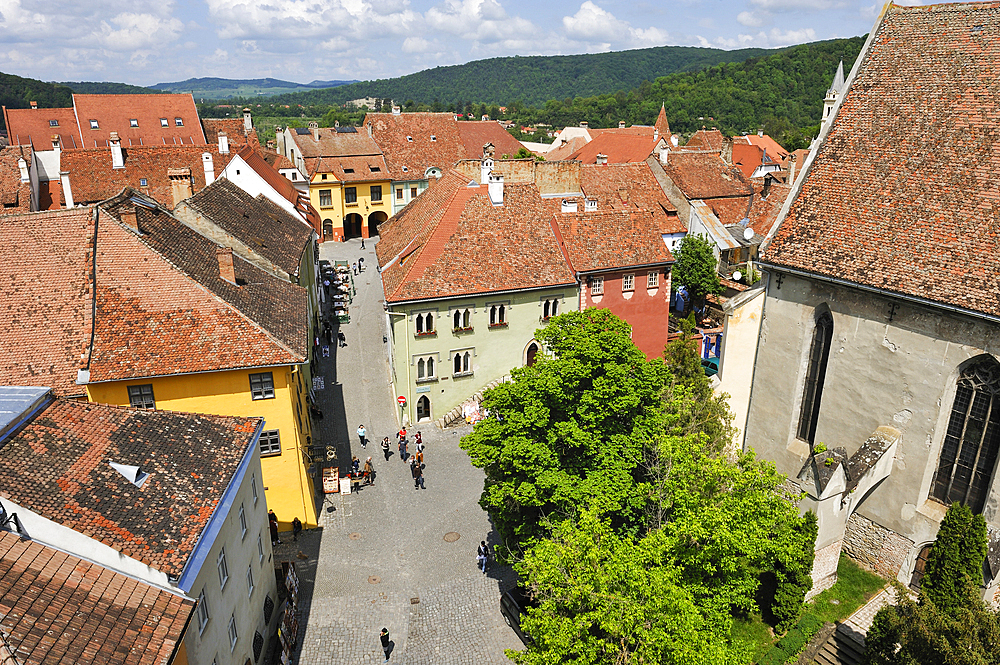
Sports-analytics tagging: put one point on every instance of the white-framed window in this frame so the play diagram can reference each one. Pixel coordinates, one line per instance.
(590, 205)
(260, 548)
(596, 286)
(461, 362)
(462, 319)
(253, 487)
(243, 522)
(203, 615)
(143, 182)
(249, 581)
(424, 323)
(233, 635)
(94, 124)
(164, 122)
(652, 280)
(550, 308)
(270, 443)
(498, 316)
(223, 568)
(628, 282)
(426, 368)
(179, 122)
(133, 122)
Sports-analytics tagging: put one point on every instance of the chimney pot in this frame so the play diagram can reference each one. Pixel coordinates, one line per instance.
(396, 110)
(584, 124)
(314, 128)
(22, 166)
(227, 269)
(117, 157)
(495, 189)
(621, 124)
(223, 143)
(209, 164)
(602, 159)
(34, 105)
(247, 122)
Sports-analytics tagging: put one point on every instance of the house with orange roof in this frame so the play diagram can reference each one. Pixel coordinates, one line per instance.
(571, 140)
(124, 304)
(149, 527)
(349, 180)
(614, 148)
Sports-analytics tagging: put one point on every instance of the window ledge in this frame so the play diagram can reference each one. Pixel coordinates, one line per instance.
(458, 331)
(429, 379)
(460, 374)
(498, 325)
(277, 454)
(429, 333)
(351, 205)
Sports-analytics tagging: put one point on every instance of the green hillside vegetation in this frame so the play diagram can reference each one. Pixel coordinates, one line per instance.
(530, 79)
(18, 93)
(107, 88)
(219, 88)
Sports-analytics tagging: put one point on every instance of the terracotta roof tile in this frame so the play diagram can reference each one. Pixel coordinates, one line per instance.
(258, 161)
(80, 604)
(334, 145)
(276, 161)
(45, 320)
(235, 132)
(902, 194)
(351, 168)
(764, 211)
(263, 226)
(114, 113)
(564, 150)
(35, 127)
(611, 239)
(705, 139)
(704, 175)
(618, 148)
(765, 142)
(417, 141)
(14, 195)
(57, 466)
(475, 134)
(630, 187)
(730, 210)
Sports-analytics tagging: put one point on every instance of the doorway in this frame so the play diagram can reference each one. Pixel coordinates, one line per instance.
(352, 225)
(530, 354)
(327, 228)
(423, 409)
(374, 220)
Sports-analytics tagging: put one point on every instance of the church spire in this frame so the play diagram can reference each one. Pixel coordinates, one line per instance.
(661, 125)
(838, 80)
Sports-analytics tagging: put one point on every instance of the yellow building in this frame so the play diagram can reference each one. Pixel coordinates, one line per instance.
(349, 182)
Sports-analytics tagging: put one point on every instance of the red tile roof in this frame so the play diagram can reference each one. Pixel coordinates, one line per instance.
(764, 211)
(902, 194)
(58, 466)
(705, 139)
(34, 127)
(661, 124)
(475, 134)
(334, 143)
(114, 113)
(235, 132)
(418, 152)
(633, 130)
(730, 210)
(258, 161)
(452, 241)
(747, 157)
(45, 312)
(611, 239)
(765, 142)
(618, 148)
(93, 179)
(350, 168)
(15, 196)
(57, 608)
(703, 175)
(276, 161)
(564, 150)
(629, 187)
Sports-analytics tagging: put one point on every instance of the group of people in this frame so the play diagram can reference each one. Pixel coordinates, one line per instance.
(416, 460)
(272, 524)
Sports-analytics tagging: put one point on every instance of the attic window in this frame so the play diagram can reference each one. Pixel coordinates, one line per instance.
(133, 122)
(405, 169)
(590, 205)
(179, 122)
(164, 122)
(94, 125)
(348, 170)
(143, 182)
(433, 138)
(133, 474)
(53, 123)
(323, 176)
(375, 169)
(409, 139)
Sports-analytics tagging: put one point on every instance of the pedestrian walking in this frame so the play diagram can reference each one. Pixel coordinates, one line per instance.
(385, 448)
(362, 242)
(401, 435)
(362, 433)
(355, 464)
(341, 339)
(419, 457)
(417, 473)
(386, 647)
(482, 556)
(369, 472)
(419, 440)
(272, 525)
(354, 266)
(361, 264)
(296, 529)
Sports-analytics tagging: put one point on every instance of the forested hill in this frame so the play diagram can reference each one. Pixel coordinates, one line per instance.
(17, 93)
(531, 79)
(107, 88)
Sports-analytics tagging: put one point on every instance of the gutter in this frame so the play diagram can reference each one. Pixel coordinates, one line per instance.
(479, 293)
(204, 371)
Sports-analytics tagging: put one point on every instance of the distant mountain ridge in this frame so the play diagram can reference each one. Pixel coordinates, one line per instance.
(530, 79)
(219, 88)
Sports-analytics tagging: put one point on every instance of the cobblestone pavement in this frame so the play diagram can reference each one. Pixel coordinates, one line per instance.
(381, 558)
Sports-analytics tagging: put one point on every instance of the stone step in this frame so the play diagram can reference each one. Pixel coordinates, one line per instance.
(841, 648)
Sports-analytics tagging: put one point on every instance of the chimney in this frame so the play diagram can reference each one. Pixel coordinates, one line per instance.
(496, 189)
(656, 134)
(127, 216)
(23, 168)
(227, 270)
(180, 183)
(396, 110)
(117, 158)
(727, 149)
(34, 106)
(206, 160)
(568, 205)
(791, 169)
(621, 124)
(223, 144)
(584, 124)
(247, 122)
(314, 128)
(767, 186)
(760, 132)
(55, 142)
(67, 190)
(486, 166)
(602, 159)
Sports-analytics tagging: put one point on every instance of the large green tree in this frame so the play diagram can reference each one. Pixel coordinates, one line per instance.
(955, 562)
(697, 268)
(569, 429)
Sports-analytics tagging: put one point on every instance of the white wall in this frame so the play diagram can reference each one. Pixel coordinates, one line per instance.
(240, 174)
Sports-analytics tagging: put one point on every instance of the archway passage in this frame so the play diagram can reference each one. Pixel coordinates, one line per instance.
(374, 220)
(918, 567)
(327, 228)
(530, 354)
(352, 225)
(423, 408)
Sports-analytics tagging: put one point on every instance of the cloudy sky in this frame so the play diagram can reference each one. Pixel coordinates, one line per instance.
(305, 40)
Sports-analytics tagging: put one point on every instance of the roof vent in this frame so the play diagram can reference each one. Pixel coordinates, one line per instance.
(34, 105)
(621, 124)
(569, 205)
(409, 139)
(133, 474)
(584, 124)
(590, 205)
(396, 110)
(602, 159)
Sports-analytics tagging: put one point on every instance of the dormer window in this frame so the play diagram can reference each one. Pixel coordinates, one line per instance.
(375, 169)
(590, 205)
(348, 170)
(164, 122)
(53, 123)
(179, 122)
(94, 125)
(433, 138)
(409, 139)
(143, 182)
(405, 169)
(133, 122)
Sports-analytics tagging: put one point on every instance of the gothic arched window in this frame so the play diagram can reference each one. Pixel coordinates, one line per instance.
(819, 353)
(971, 442)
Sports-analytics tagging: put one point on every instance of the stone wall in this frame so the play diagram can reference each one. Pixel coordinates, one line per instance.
(875, 547)
(824, 572)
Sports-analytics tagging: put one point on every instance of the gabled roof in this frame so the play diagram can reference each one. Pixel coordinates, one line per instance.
(266, 167)
(704, 175)
(267, 229)
(15, 196)
(235, 132)
(93, 178)
(774, 150)
(418, 141)
(564, 150)
(34, 127)
(45, 312)
(605, 240)
(452, 241)
(475, 134)
(334, 145)
(901, 194)
(705, 139)
(114, 113)
(748, 157)
(350, 168)
(58, 608)
(58, 466)
(629, 187)
(618, 148)
(764, 211)
(276, 161)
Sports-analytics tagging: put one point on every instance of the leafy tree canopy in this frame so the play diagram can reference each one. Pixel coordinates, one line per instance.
(696, 267)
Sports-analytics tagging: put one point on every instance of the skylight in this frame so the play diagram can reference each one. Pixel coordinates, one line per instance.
(94, 125)
(53, 123)
(133, 122)
(164, 122)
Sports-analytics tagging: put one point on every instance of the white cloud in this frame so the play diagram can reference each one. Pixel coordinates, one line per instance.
(311, 19)
(479, 21)
(774, 38)
(796, 5)
(138, 31)
(417, 45)
(749, 19)
(593, 25)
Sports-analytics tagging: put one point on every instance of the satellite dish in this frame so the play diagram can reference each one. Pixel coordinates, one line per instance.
(737, 276)
(748, 234)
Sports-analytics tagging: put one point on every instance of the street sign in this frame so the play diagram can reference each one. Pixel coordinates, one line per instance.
(402, 400)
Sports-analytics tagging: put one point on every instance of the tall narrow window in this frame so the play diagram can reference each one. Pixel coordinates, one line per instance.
(819, 353)
(971, 442)
(467, 319)
(458, 319)
(458, 363)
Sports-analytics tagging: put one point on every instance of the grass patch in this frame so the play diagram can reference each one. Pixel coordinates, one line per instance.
(752, 634)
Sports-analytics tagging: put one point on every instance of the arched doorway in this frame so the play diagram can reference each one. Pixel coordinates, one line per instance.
(919, 566)
(352, 225)
(374, 220)
(423, 408)
(327, 228)
(530, 354)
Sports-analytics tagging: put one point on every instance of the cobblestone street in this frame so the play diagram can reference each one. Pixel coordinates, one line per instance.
(381, 557)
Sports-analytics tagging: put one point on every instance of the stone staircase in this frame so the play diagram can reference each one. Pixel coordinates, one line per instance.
(843, 647)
